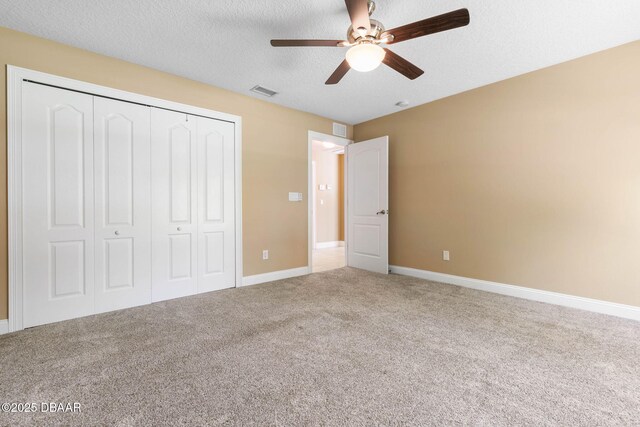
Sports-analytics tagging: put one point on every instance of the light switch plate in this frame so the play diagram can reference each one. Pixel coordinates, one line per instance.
(295, 197)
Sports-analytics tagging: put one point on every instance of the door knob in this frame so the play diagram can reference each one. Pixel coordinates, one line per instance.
(382, 212)
(117, 233)
(179, 228)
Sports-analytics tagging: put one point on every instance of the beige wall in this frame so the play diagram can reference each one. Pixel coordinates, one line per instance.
(330, 214)
(272, 136)
(533, 181)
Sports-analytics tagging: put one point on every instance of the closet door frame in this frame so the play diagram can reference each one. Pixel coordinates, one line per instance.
(15, 78)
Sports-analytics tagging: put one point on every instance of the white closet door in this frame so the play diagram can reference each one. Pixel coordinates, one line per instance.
(174, 201)
(216, 225)
(57, 144)
(122, 204)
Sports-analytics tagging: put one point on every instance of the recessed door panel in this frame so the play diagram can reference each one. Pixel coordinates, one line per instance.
(119, 167)
(174, 178)
(123, 204)
(180, 256)
(180, 165)
(214, 177)
(119, 254)
(67, 269)
(216, 201)
(214, 252)
(57, 202)
(366, 239)
(366, 179)
(66, 145)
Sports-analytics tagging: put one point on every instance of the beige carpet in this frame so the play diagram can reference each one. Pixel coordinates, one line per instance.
(343, 347)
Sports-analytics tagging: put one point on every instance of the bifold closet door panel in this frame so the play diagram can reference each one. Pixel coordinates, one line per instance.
(216, 205)
(122, 135)
(58, 214)
(174, 204)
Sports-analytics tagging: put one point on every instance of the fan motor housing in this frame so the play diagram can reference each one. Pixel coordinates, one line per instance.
(354, 36)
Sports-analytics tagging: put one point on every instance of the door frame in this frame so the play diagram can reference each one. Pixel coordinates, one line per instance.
(15, 77)
(314, 226)
(343, 142)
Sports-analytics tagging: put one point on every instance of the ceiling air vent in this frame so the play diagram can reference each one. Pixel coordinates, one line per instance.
(264, 91)
(339, 130)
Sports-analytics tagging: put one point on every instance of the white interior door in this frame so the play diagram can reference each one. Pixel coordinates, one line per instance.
(58, 242)
(122, 204)
(174, 199)
(368, 205)
(216, 205)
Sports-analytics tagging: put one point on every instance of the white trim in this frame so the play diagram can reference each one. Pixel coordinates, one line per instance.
(588, 304)
(238, 200)
(345, 220)
(274, 275)
(93, 89)
(15, 76)
(326, 245)
(4, 327)
(338, 141)
(314, 195)
(14, 196)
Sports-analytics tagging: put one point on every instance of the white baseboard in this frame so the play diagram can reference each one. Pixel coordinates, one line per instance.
(325, 245)
(588, 304)
(4, 326)
(274, 275)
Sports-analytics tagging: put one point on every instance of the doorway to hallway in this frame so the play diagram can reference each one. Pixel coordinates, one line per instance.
(327, 202)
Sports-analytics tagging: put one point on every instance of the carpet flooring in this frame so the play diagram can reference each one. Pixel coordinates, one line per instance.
(344, 347)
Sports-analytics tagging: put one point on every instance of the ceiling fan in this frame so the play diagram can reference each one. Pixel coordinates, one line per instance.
(365, 35)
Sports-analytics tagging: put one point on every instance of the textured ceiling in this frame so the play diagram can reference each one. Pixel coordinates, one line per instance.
(226, 43)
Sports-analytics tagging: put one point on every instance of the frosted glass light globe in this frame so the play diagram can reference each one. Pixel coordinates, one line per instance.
(365, 57)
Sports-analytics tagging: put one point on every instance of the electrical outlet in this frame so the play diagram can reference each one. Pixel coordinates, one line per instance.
(265, 254)
(445, 255)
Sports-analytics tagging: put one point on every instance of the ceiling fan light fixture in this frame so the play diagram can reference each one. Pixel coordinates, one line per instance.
(365, 35)
(365, 57)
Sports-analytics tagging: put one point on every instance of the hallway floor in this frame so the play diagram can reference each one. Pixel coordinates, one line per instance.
(328, 259)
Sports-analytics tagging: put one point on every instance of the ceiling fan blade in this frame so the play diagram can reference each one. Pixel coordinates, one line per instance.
(401, 65)
(448, 21)
(306, 43)
(339, 73)
(359, 13)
